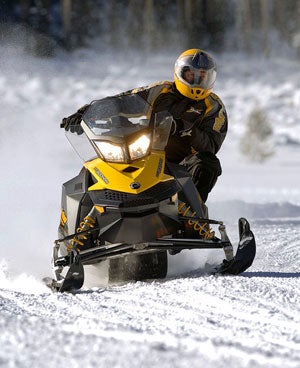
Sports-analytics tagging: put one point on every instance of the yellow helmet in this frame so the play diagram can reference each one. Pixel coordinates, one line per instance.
(195, 74)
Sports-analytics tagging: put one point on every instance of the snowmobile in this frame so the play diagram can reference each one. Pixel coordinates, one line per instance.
(129, 209)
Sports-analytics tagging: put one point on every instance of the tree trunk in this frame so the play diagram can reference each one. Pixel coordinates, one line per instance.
(264, 8)
(66, 6)
(149, 25)
(247, 25)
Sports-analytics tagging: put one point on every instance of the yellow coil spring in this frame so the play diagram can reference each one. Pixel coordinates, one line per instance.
(203, 228)
(87, 223)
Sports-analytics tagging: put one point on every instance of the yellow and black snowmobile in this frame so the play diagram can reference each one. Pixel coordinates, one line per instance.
(128, 208)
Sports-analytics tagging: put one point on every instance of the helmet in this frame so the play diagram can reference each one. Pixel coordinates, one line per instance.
(195, 74)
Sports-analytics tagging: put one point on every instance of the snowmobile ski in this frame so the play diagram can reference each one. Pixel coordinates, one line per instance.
(74, 278)
(71, 282)
(245, 252)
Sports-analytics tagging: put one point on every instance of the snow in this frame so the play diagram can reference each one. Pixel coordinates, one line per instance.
(190, 319)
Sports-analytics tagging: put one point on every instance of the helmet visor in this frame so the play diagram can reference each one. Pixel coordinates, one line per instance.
(201, 77)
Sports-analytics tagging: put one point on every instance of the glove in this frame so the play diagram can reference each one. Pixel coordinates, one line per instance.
(73, 121)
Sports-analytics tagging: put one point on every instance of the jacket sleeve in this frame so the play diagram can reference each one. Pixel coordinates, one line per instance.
(211, 130)
(151, 92)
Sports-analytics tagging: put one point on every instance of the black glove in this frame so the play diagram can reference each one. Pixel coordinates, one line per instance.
(73, 121)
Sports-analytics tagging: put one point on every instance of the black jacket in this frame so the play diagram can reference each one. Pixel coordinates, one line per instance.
(201, 125)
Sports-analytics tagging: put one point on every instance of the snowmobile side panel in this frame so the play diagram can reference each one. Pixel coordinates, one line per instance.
(189, 191)
(73, 192)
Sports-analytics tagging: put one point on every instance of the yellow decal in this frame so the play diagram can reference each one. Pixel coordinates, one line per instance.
(219, 121)
(63, 218)
(100, 209)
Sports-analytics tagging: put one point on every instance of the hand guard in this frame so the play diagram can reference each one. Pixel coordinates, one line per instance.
(73, 121)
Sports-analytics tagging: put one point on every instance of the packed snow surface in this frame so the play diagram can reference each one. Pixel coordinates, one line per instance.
(190, 319)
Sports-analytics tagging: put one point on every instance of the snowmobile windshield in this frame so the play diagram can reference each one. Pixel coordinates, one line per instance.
(123, 125)
(118, 116)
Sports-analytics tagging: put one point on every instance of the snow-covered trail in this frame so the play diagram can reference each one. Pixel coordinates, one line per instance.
(188, 320)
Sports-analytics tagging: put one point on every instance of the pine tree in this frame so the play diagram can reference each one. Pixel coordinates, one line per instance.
(256, 143)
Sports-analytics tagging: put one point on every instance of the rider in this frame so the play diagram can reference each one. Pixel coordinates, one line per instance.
(199, 116)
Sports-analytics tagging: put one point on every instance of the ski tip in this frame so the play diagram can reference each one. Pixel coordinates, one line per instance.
(74, 278)
(50, 283)
(245, 253)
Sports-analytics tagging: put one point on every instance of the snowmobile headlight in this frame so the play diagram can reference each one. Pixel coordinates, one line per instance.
(139, 147)
(111, 152)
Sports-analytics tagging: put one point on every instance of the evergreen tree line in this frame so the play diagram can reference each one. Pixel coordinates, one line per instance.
(149, 25)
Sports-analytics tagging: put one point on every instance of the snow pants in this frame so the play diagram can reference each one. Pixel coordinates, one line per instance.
(204, 168)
